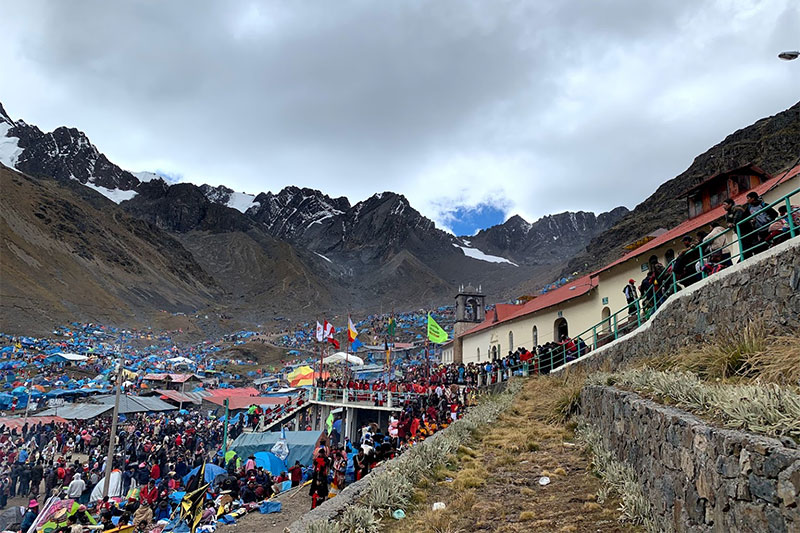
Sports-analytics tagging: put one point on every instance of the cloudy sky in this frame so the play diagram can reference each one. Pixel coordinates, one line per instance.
(474, 110)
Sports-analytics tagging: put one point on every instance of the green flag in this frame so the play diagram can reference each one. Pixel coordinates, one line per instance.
(390, 329)
(435, 331)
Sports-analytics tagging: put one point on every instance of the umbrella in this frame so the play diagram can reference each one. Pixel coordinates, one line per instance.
(302, 376)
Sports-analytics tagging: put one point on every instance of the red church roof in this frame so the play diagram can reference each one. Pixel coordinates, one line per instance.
(571, 290)
(699, 221)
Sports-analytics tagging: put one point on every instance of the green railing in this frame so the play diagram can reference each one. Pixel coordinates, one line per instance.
(752, 236)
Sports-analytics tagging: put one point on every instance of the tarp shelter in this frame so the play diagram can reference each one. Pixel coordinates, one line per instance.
(301, 444)
(62, 357)
(180, 360)
(342, 357)
(114, 487)
(18, 421)
(210, 473)
(270, 461)
(11, 518)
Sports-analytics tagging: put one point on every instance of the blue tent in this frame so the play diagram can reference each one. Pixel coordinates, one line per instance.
(270, 461)
(211, 472)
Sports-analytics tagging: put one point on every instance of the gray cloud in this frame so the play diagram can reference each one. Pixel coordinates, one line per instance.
(536, 107)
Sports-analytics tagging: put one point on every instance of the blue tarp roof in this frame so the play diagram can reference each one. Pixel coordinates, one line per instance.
(301, 444)
(211, 472)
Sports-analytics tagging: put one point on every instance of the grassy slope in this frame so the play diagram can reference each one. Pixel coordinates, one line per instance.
(493, 486)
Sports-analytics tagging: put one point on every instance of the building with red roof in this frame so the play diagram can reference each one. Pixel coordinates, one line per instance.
(586, 306)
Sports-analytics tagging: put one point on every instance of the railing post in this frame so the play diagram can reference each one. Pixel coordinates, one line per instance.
(594, 337)
(525, 369)
(702, 263)
(638, 312)
(790, 220)
(389, 399)
(616, 332)
(741, 244)
(345, 395)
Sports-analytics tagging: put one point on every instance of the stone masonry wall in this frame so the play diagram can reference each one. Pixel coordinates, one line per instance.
(698, 477)
(765, 287)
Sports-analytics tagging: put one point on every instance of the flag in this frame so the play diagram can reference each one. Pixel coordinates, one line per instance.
(390, 328)
(329, 331)
(352, 333)
(356, 344)
(435, 331)
(319, 333)
(192, 506)
(195, 482)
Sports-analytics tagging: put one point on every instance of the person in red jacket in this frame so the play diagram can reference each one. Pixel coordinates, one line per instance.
(155, 472)
(149, 493)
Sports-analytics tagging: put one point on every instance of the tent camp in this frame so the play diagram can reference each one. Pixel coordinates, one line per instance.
(301, 444)
(342, 357)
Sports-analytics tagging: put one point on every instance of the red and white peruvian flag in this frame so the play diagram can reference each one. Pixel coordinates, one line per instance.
(320, 332)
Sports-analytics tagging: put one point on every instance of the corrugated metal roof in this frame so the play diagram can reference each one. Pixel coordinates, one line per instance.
(183, 397)
(136, 404)
(78, 411)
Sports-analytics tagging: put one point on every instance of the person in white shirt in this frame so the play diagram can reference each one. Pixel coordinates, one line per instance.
(76, 487)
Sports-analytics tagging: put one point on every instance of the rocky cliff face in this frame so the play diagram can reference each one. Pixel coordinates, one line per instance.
(63, 154)
(554, 238)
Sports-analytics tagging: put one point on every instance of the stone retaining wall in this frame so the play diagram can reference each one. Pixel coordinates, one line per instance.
(698, 477)
(765, 287)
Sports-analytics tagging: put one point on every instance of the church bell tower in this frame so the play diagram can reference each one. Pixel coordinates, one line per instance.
(470, 310)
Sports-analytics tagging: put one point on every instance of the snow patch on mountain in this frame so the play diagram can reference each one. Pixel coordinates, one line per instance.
(325, 258)
(115, 195)
(9, 147)
(481, 256)
(242, 201)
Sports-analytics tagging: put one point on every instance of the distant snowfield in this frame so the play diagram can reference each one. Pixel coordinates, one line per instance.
(477, 254)
(242, 201)
(147, 176)
(9, 147)
(115, 195)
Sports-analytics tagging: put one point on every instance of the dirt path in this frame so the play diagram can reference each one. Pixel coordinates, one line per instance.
(294, 505)
(493, 485)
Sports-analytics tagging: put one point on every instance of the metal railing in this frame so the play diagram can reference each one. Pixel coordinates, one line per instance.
(751, 238)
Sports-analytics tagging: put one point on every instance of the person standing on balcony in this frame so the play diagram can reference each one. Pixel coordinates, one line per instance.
(717, 242)
(762, 218)
(630, 296)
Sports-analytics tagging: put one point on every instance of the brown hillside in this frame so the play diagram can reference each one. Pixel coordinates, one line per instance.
(69, 254)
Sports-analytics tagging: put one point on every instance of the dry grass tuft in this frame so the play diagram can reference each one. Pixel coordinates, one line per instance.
(524, 516)
(723, 356)
(778, 363)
